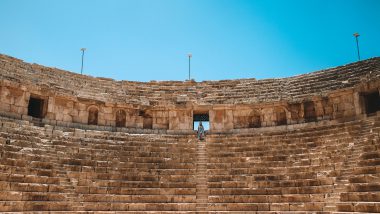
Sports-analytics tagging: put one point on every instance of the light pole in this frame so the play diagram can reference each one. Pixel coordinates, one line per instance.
(81, 69)
(189, 55)
(357, 44)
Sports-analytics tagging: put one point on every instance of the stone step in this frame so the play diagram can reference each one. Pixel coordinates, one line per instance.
(330, 208)
(202, 198)
(202, 193)
(201, 178)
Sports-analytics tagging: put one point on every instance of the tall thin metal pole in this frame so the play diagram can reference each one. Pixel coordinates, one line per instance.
(81, 69)
(190, 55)
(357, 44)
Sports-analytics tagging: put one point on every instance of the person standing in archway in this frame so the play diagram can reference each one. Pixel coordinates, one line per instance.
(201, 131)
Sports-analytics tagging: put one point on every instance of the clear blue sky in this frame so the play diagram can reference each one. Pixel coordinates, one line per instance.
(146, 40)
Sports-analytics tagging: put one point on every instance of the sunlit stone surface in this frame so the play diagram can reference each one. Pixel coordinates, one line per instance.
(71, 143)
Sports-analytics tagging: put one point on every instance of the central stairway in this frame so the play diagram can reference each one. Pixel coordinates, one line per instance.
(202, 190)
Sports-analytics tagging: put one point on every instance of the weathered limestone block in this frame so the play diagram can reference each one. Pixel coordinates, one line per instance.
(74, 113)
(139, 122)
(51, 105)
(107, 110)
(80, 106)
(108, 116)
(180, 120)
(222, 119)
(17, 109)
(269, 117)
(82, 116)
(19, 99)
(296, 112)
(67, 118)
(59, 116)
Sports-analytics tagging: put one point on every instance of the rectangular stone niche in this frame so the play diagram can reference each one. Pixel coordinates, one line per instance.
(371, 102)
(37, 107)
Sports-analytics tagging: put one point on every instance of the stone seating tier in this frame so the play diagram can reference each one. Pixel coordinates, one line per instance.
(241, 91)
(329, 167)
(59, 171)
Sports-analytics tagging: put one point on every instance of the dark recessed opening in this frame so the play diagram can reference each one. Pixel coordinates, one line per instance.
(254, 121)
(309, 110)
(281, 118)
(204, 118)
(93, 116)
(120, 118)
(36, 107)
(372, 102)
(147, 122)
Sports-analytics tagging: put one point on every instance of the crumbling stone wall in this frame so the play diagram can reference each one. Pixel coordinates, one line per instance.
(170, 105)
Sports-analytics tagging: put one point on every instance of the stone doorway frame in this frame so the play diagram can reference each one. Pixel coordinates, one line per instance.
(36, 101)
(201, 116)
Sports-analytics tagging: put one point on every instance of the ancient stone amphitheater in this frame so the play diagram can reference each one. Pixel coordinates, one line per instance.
(71, 143)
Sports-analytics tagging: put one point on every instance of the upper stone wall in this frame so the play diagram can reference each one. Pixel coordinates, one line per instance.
(156, 93)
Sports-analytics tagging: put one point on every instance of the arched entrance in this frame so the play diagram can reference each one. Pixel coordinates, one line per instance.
(120, 118)
(93, 116)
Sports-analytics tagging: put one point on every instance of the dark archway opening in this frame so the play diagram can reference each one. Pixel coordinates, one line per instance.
(372, 102)
(120, 118)
(147, 119)
(36, 107)
(281, 118)
(254, 121)
(93, 116)
(204, 118)
(309, 109)
(148, 122)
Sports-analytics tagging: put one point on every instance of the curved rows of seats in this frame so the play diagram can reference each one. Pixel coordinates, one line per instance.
(322, 167)
(225, 91)
(363, 191)
(301, 170)
(53, 170)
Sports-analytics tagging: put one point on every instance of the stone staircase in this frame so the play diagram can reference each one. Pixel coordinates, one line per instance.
(68, 186)
(356, 149)
(345, 169)
(202, 189)
(362, 179)
(37, 122)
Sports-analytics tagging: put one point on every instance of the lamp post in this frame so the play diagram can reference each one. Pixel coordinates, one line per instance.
(357, 44)
(189, 55)
(81, 69)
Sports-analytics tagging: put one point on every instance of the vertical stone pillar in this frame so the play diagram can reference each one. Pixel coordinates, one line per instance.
(358, 107)
(50, 102)
(319, 110)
